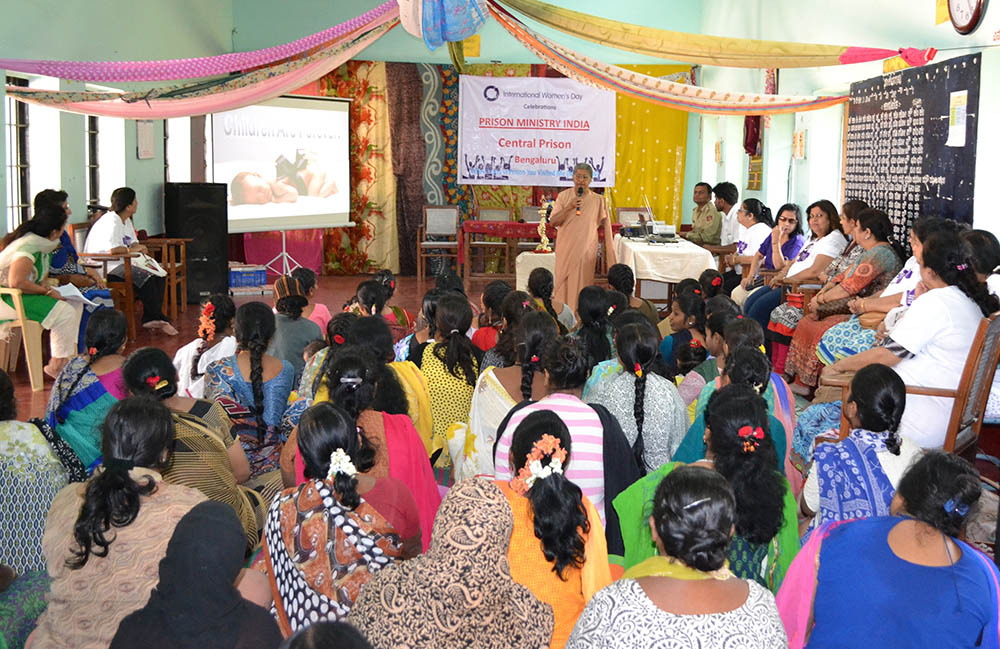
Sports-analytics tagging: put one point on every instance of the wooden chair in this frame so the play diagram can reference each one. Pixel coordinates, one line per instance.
(439, 221)
(172, 255)
(498, 215)
(123, 292)
(529, 214)
(962, 434)
(31, 334)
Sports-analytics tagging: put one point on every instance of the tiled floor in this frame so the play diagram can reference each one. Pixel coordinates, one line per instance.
(333, 291)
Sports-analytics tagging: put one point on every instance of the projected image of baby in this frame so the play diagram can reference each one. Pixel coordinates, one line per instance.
(304, 177)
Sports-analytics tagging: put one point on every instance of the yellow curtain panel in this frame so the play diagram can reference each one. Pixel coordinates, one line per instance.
(650, 151)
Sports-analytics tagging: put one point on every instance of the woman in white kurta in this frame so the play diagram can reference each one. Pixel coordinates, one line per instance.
(578, 213)
(929, 347)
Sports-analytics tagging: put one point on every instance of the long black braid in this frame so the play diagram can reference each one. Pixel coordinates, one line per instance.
(105, 335)
(538, 329)
(637, 349)
(541, 284)
(255, 325)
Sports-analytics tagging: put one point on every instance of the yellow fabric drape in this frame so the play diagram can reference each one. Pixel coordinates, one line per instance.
(650, 150)
(383, 247)
(679, 46)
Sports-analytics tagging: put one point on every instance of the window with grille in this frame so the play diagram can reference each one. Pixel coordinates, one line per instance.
(18, 190)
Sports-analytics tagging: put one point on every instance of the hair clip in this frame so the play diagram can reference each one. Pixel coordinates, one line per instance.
(739, 316)
(534, 358)
(763, 349)
(696, 503)
(392, 283)
(951, 507)
(758, 388)
(716, 281)
(352, 380)
(453, 332)
(695, 344)
(525, 303)
(638, 370)
(697, 291)
(153, 381)
(611, 310)
(92, 351)
(962, 267)
(337, 338)
(751, 437)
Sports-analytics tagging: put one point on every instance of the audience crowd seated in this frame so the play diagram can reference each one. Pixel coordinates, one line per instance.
(304, 479)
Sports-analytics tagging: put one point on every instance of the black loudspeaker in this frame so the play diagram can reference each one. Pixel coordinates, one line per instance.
(198, 211)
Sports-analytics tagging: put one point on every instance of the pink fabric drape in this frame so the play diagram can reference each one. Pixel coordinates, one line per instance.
(222, 101)
(304, 246)
(911, 55)
(206, 66)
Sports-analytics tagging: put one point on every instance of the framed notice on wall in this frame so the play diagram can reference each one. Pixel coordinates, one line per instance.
(533, 131)
(145, 140)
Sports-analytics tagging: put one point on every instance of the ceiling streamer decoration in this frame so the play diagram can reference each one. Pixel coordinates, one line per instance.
(659, 91)
(450, 21)
(208, 66)
(217, 95)
(704, 49)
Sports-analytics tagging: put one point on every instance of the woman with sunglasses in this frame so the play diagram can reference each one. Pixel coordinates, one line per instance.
(781, 247)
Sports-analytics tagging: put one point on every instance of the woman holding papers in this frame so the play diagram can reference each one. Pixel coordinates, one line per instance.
(25, 257)
(578, 213)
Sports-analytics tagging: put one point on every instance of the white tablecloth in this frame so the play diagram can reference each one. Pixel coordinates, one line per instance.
(529, 261)
(663, 262)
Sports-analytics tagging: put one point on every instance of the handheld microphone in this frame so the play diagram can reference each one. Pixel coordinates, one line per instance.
(548, 211)
(579, 194)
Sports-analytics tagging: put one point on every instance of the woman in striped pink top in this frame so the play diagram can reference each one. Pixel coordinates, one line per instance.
(598, 441)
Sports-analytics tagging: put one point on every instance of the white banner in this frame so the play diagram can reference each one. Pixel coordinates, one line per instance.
(533, 131)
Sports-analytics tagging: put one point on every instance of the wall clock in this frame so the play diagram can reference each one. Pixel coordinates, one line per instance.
(966, 14)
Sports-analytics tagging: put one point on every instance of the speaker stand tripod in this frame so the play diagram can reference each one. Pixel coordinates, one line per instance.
(288, 263)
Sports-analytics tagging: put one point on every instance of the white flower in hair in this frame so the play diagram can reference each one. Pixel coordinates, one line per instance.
(539, 472)
(340, 462)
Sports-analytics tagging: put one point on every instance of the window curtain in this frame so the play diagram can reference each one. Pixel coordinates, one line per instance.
(409, 152)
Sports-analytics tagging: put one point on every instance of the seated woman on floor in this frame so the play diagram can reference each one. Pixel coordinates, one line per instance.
(687, 320)
(609, 369)
(557, 549)
(371, 301)
(515, 305)
(856, 477)
(780, 248)
(25, 259)
(541, 285)
(985, 255)
(605, 463)
(253, 387)
(929, 346)
(922, 587)
(682, 594)
(651, 412)
(66, 268)
(694, 381)
(352, 380)
(622, 279)
(595, 330)
(89, 386)
(315, 311)
(782, 320)
(292, 330)
(215, 341)
(871, 273)
(406, 348)
(858, 333)
(826, 242)
(353, 524)
(396, 316)
(104, 539)
(206, 456)
(739, 446)
(497, 391)
(451, 366)
(337, 331)
(197, 578)
(464, 578)
(491, 320)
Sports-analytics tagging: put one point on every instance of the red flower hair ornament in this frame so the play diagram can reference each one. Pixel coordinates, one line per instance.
(716, 281)
(751, 437)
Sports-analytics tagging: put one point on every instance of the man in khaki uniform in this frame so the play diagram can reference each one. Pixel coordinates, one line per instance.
(706, 222)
